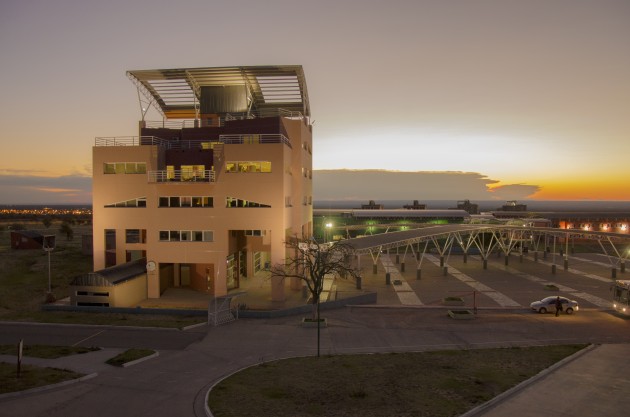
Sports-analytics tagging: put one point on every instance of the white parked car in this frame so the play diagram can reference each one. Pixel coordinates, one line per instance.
(548, 304)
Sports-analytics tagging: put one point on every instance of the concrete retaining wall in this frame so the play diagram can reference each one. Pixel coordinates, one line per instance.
(367, 298)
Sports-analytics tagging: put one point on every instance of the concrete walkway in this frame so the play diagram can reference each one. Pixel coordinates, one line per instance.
(597, 383)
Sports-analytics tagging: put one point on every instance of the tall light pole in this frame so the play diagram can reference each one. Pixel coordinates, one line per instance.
(49, 245)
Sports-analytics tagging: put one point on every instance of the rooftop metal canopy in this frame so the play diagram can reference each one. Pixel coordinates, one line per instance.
(180, 93)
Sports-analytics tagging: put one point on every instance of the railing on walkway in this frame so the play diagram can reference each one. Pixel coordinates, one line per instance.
(220, 311)
(181, 176)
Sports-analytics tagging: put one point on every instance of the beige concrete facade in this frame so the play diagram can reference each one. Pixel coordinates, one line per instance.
(209, 248)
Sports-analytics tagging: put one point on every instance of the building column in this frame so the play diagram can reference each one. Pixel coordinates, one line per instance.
(153, 283)
(278, 251)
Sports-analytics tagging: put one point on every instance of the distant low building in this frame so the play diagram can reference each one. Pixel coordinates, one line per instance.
(371, 205)
(467, 206)
(513, 206)
(415, 206)
(26, 239)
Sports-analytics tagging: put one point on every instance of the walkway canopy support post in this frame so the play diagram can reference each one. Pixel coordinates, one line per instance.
(566, 252)
(553, 258)
(420, 258)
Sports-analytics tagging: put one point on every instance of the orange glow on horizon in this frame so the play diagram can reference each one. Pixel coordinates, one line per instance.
(579, 188)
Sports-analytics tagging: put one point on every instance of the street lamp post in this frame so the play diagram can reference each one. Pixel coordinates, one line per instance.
(49, 245)
(327, 227)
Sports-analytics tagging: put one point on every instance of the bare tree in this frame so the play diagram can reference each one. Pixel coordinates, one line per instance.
(67, 230)
(312, 262)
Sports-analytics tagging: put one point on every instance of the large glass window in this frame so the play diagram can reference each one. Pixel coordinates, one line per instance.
(192, 172)
(231, 202)
(186, 236)
(185, 201)
(135, 235)
(125, 168)
(136, 202)
(109, 168)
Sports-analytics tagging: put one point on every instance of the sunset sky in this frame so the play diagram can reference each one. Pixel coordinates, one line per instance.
(513, 99)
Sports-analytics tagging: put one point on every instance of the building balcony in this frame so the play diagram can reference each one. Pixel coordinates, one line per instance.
(219, 121)
(180, 176)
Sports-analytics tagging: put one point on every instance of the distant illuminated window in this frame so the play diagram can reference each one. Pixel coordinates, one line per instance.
(248, 166)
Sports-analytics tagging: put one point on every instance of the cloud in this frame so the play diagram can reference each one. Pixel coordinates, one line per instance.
(346, 184)
(30, 189)
(514, 191)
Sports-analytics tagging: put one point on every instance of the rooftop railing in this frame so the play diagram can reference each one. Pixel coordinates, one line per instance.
(181, 176)
(129, 141)
(192, 144)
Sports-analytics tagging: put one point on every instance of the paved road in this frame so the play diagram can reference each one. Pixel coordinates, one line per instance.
(175, 383)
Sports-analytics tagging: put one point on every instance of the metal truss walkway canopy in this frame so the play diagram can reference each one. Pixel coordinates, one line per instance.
(486, 239)
(185, 93)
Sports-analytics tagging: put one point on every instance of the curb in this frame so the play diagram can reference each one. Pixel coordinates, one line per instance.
(193, 326)
(107, 326)
(47, 387)
(479, 410)
(137, 361)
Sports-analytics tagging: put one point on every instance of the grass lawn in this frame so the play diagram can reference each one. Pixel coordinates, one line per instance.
(443, 383)
(31, 377)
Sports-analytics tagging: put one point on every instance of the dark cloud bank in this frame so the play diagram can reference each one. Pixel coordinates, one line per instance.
(327, 185)
(420, 185)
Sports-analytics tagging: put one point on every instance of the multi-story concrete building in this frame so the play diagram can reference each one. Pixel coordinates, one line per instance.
(210, 193)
